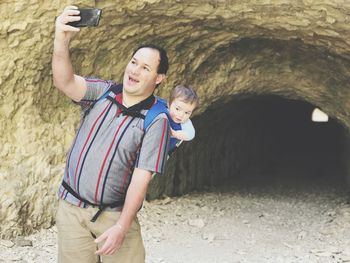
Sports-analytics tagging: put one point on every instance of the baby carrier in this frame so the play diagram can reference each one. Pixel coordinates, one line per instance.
(160, 106)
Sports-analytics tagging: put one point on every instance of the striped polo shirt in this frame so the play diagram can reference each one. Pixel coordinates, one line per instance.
(109, 145)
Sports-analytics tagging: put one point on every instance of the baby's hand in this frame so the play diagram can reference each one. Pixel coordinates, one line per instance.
(180, 135)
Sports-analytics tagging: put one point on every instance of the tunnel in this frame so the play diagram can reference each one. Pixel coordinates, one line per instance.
(257, 141)
(260, 69)
(262, 132)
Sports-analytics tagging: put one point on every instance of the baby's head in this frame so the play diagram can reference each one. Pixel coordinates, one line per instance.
(182, 102)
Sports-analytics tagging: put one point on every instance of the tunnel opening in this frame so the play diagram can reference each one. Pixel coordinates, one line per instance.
(261, 140)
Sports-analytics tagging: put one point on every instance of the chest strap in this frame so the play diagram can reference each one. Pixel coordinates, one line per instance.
(125, 110)
(101, 207)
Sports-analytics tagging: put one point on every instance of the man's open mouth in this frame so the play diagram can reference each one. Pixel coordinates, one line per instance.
(132, 80)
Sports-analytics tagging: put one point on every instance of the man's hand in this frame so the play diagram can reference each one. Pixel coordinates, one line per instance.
(113, 237)
(63, 31)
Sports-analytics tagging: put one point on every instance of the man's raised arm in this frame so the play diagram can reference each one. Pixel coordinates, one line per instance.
(64, 79)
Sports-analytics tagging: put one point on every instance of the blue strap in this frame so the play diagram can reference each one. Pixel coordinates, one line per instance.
(161, 107)
(156, 109)
(115, 88)
(104, 95)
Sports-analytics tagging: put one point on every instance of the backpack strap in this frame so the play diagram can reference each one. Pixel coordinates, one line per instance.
(156, 109)
(125, 110)
(161, 107)
(115, 88)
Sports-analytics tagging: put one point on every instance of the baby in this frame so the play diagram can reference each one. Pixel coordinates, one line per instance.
(181, 104)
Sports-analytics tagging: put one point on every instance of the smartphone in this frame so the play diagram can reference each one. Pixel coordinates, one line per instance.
(89, 17)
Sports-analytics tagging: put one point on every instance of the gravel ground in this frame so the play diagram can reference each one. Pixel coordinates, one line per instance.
(301, 222)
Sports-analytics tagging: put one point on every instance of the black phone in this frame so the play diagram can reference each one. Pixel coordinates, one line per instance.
(89, 17)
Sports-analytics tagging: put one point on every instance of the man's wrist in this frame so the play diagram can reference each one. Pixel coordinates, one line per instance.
(61, 47)
(61, 40)
(120, 227)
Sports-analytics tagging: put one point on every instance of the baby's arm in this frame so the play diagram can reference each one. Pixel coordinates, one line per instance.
(186, 133)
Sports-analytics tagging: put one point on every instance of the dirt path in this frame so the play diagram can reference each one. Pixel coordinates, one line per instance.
(246, 224)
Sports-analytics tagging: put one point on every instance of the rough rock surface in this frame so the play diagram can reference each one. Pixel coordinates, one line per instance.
(294, 49)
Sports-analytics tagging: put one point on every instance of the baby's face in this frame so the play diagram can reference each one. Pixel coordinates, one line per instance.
(180, 111)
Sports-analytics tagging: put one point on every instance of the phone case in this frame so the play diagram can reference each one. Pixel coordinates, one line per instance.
(89, 17)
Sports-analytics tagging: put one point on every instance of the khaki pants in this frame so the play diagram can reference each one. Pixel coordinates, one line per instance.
(75, 236)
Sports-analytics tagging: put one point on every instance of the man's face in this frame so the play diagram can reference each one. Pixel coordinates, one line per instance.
(140, 76)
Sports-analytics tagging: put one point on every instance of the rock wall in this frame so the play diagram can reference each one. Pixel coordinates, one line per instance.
(295, 49)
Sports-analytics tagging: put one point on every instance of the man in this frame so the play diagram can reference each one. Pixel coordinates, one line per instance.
(112, 158)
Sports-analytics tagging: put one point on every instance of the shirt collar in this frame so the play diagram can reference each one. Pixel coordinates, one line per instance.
(142, 105)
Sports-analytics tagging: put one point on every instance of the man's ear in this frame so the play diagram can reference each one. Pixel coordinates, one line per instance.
(160, 78)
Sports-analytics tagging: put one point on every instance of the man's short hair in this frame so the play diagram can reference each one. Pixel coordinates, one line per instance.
(163, 63)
